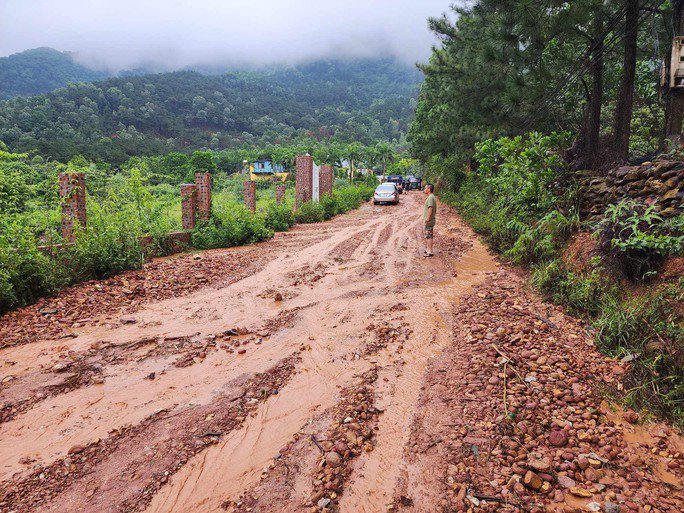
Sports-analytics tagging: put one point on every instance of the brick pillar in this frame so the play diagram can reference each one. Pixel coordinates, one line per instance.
(250, 195)
(325, 179)
(304, 179)
(188, 193)
(203, 183)
(72, 193)
(280, 194)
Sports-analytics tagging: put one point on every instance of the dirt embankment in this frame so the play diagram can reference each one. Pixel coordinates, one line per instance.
(331, 369)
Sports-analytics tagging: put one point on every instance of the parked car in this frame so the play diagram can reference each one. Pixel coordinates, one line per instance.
(397, 180)
(386, 193)
(415, 183)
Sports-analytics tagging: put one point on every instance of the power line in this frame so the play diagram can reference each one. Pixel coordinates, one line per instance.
(574, 72)
(573, 77)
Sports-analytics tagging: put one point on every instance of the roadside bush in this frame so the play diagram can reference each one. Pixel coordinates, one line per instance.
(100, 252)
(310, 212)
(26, 273)
(231, 225)
(278, 218)
(331, 207)
(637, 239)
(346, 198)
(520, 171)
(544, 240)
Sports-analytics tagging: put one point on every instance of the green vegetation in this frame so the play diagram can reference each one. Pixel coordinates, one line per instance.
(141, 198)
(360, 101)
(41, 70)
(512, 199)
(509, 67)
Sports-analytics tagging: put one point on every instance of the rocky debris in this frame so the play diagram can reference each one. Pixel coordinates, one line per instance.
(386, 333)
(84, 368)
(75, 371)
(522, 419)
(85, 304)
(352, 434)
(194, 429)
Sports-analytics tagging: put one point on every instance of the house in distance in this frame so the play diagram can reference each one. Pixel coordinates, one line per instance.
(266, 169)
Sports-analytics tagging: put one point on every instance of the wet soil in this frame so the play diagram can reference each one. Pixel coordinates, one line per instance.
(330, 369)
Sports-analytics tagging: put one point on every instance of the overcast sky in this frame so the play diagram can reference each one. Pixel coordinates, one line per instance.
(123, 34)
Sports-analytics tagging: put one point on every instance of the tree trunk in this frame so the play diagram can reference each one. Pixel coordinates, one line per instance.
(674, 99)
(596, 66)
(625, 99)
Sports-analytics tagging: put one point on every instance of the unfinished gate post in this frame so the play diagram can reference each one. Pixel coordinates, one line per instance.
(279, 194)
(250, 195)
(72, 194)
(203, 183)
(188, 193)
(304, 180)
(326, 179)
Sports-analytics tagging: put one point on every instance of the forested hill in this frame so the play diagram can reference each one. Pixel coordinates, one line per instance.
(364, 101)
(41, 70)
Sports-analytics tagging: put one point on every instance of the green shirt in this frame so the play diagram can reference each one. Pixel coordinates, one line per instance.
(430, 202)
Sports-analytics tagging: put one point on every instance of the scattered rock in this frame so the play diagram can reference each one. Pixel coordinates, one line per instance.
(580, 492)
(611, 507)
(631, 416)
(532, 481)
(566, 482)
(333, 459)
(558, 438)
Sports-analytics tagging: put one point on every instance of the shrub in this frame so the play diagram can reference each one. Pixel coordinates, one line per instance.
(310, 212)
(278, 218)
(100, 253)
(581, 293)
(330, 205)
(544, 240)
(652, 328)
(519, 171)
(26, 273)
(231, 225)
(637, 239)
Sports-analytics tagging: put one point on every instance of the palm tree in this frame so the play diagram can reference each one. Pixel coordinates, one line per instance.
(385, 154)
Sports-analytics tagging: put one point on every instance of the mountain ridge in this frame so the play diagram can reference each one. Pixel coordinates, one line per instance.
(361, 100)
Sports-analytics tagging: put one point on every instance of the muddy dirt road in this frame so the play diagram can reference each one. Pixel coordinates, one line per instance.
(330, 369)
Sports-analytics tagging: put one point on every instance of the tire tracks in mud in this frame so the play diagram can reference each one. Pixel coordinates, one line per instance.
(328, 446)
(124, 471)
(342, 319)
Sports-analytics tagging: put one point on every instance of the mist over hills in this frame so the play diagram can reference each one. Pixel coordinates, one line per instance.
(41, 70)
(143, 114)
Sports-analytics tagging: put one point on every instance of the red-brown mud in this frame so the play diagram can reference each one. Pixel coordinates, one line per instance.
(330, 369)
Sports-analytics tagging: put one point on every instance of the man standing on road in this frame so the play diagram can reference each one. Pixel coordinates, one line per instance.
(429, 214)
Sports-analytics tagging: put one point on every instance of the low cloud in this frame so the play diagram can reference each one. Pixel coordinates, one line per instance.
(172, 34)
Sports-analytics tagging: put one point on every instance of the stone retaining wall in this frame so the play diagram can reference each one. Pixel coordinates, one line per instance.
(661, 181)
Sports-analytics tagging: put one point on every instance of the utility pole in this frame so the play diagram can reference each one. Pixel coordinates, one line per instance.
(674, 96)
